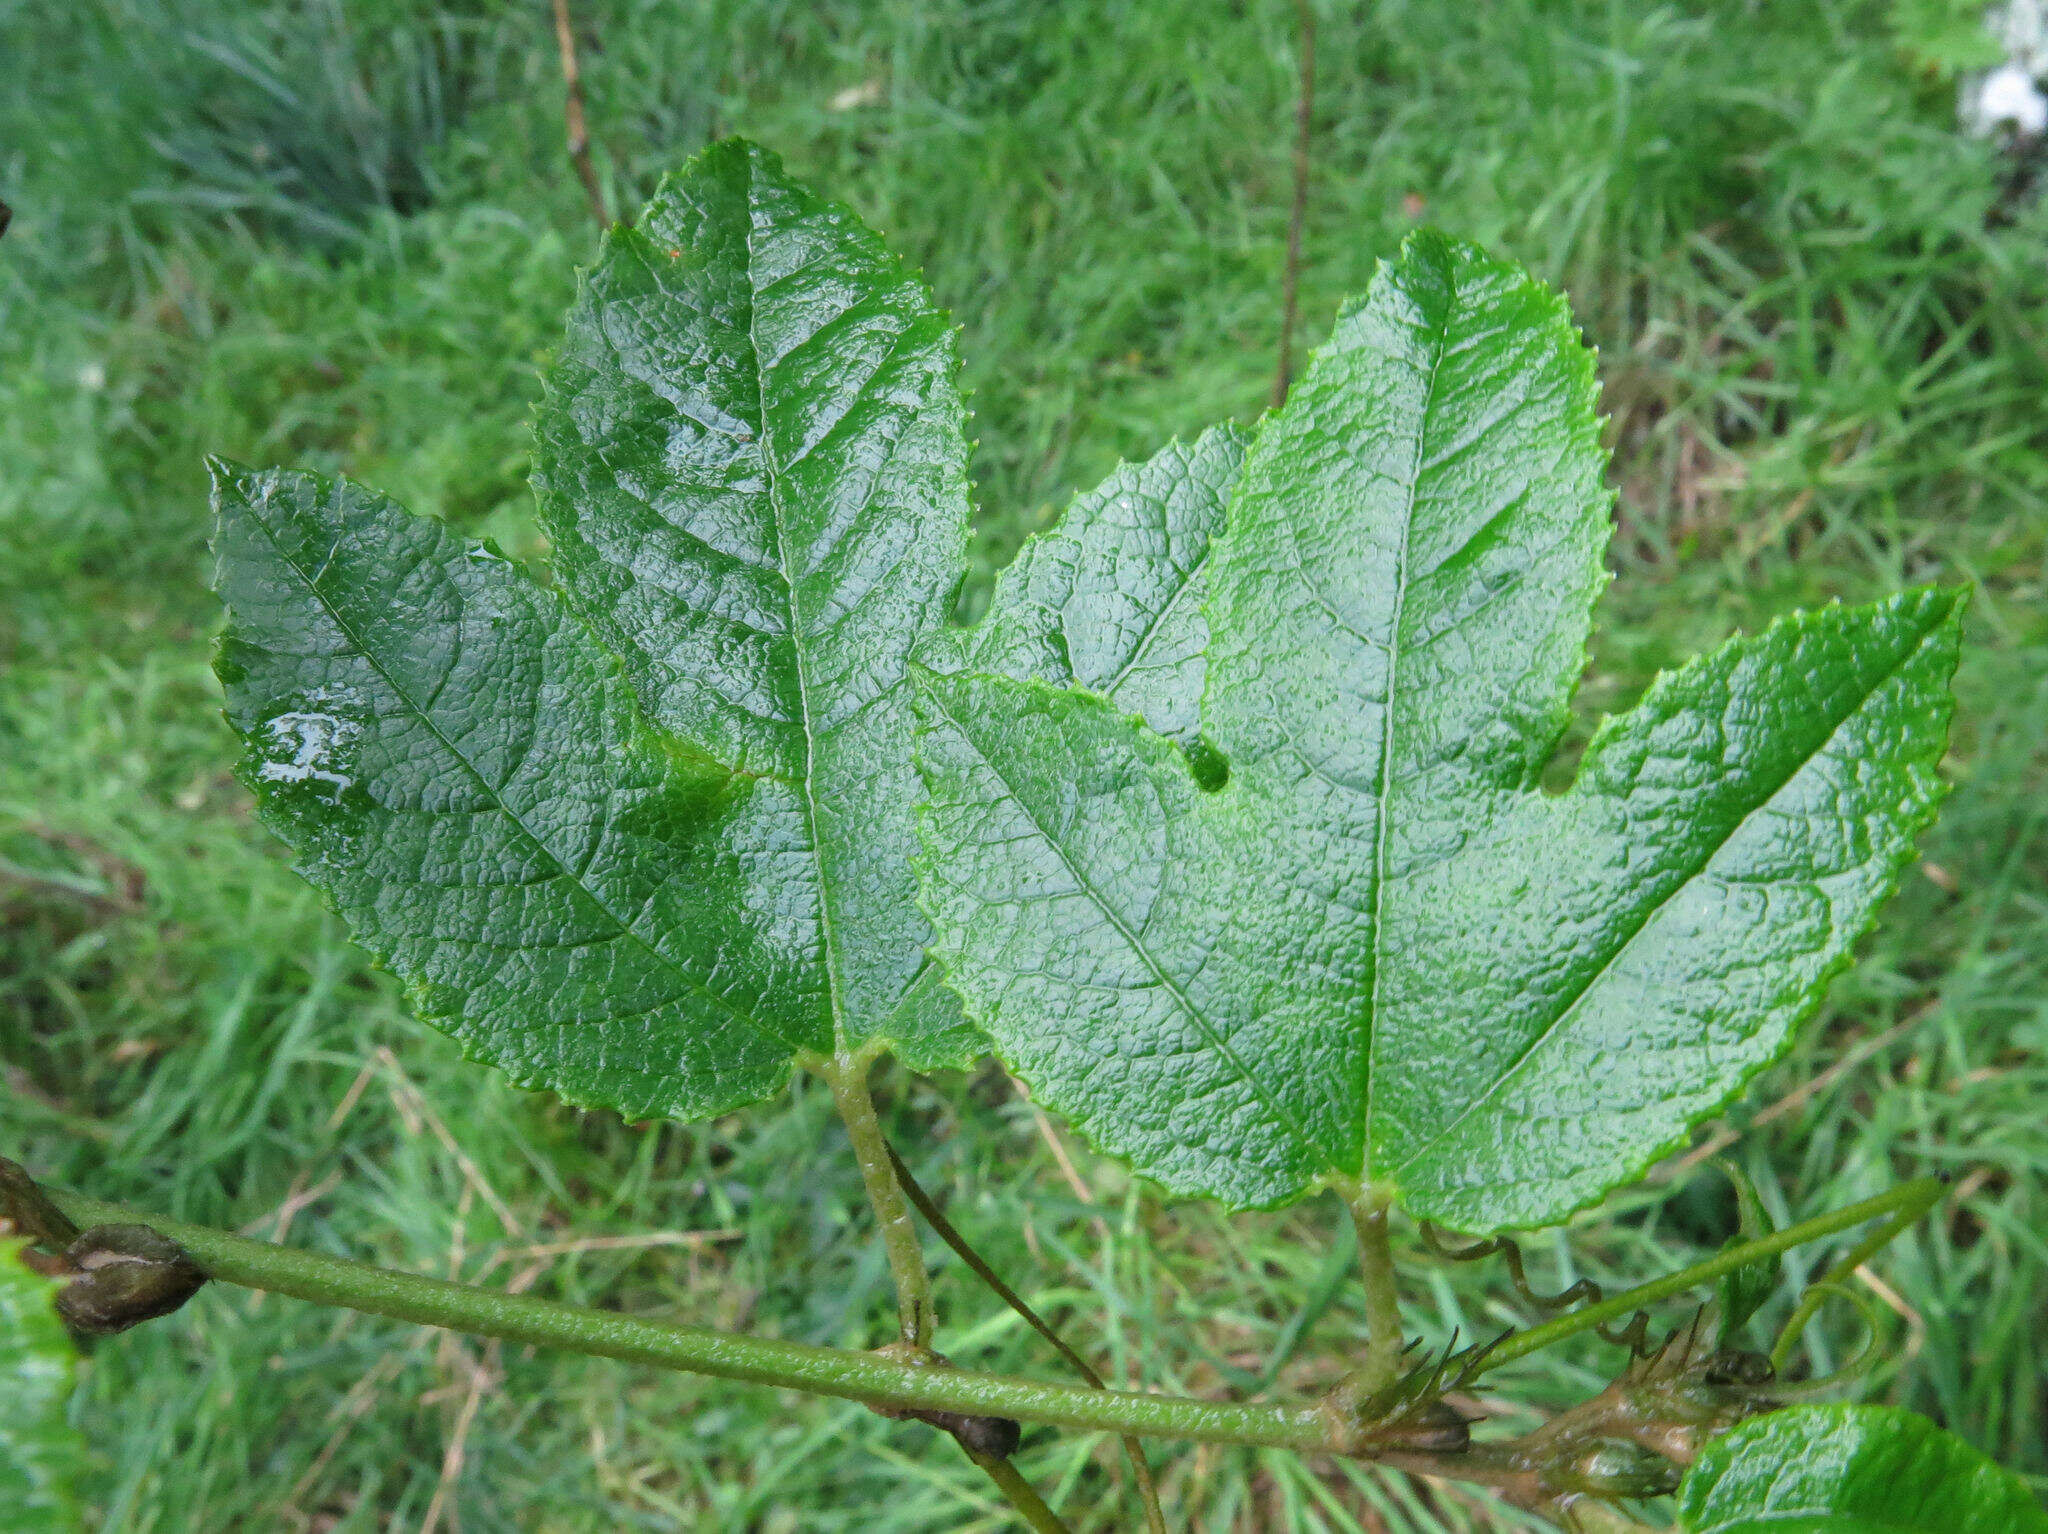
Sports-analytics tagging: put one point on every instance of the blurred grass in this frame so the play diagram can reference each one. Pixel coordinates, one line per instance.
(342, 235)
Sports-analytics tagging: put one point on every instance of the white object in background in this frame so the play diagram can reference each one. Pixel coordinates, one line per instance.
(2008, 96)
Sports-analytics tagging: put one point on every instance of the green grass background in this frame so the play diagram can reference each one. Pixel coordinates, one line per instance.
(342, 237)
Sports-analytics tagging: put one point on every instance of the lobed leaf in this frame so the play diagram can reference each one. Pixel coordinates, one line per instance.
(642, 837)
(466, 775)
(1234, 845)
(1851, 1470)
(40, 1455)
(1377, 952)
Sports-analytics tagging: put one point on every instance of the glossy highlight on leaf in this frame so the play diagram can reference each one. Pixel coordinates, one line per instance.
(753, 465)
(1851, 1470)
(1371, 949)
(466, 776)
(40, 1455)
(642, 836)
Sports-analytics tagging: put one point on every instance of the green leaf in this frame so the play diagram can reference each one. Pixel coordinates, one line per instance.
(641, 839)
(1745, 1291)
(464, 773)
(40, 1455)
(752, 463)
(1851, 1470)
(1110, 598)
(1377, 951)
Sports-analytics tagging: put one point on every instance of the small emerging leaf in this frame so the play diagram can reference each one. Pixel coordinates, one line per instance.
(1851, 1470)
(1368, 947)
(40, 1455)
(1744, 1292)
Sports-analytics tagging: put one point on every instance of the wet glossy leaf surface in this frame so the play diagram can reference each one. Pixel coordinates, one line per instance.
(752, 463)
(466, 776)
(1851, 1470)
(1110, 599)
(1234, 846)
(1377, 951)
(641, 839)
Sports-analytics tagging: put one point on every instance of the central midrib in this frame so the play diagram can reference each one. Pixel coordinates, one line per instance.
(1381, 815)
(797, 634)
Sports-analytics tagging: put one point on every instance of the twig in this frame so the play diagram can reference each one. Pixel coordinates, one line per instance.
(572, 112)
(1020, 1494)
(1290, 275)
(935, 1217)
(876, 1378)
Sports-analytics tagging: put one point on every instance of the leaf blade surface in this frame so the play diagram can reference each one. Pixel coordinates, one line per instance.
(465, 775)
(1110, 599)
(752, 464)
(642, 838)
(1417, 969)
(1851, 1470)
(1627, 955)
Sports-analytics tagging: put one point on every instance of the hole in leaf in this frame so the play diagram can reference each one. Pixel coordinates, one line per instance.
(1208, 765)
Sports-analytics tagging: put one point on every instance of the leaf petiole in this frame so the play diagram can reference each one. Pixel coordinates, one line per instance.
(1383, 1341)
(1907, 1203)
(1020, 1494)
(934, 1216)
(847, 1076)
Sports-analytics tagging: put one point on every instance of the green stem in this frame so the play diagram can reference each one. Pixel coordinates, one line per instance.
(848, 1078)
(1020, 1494)
(934, 1216)
(526, 1320)
(1909, 1201)
(1817, 1292)
(1383, 1340)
